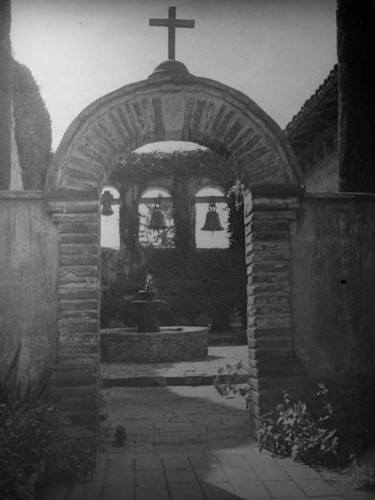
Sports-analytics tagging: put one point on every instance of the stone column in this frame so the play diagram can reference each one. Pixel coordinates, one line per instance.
(75, 383)
(268, 255)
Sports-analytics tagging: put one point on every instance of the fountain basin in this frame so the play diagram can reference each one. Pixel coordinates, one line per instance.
(171, 343)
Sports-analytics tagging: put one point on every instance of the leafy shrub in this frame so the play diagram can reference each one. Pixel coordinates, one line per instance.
(33, 447)
(293, 430)
(353, 397)
(362, 475)
(208, 282)
(34, 450)
(233, 380)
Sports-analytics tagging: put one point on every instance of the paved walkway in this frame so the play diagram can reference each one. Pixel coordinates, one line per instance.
(198, 372)
(189, 443)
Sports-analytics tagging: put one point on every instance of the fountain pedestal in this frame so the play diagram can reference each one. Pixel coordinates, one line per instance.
(146, 312)
(147, 309)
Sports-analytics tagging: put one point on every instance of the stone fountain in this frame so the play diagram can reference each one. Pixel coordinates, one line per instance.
(148, 342)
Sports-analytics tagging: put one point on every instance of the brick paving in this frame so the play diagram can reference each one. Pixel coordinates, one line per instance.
(188, 443)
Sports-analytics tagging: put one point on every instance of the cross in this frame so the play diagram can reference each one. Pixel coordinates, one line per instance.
(172, 23)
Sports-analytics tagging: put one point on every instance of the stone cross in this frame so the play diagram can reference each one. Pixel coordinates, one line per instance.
(172, 23)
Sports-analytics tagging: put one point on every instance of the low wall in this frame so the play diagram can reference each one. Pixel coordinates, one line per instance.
(28, 272)
(125, 345)
(333, 283)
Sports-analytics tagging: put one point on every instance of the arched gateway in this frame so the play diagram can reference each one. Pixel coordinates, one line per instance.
(171, 104)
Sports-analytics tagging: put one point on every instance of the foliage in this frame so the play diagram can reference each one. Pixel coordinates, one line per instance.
(140, 168)
(33, 448)
(362, 475)
(293, 430)
(180, 171)
(353, 397)
(5, 99)
(236, 220)
(207, 282)
(32, 128)
(229, 381)
(192, 282)
(159, 239)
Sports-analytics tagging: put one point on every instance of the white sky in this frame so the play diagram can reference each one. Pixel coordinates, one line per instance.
(276, 51)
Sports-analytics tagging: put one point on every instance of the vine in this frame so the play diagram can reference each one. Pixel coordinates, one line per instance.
(181, 168)
(32, 127)
(195, 284)
(142, 167)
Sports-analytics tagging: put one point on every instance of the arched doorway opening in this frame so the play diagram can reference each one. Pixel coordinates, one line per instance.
(172, 104)
(167, 196)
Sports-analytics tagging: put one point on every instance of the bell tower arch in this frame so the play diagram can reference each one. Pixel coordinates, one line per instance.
(171, 104)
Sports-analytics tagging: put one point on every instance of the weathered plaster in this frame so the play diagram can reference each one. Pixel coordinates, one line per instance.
(333, 282)
(324, 178)
(28, 270)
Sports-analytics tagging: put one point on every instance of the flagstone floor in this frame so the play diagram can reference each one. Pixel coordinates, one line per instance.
(188, 443)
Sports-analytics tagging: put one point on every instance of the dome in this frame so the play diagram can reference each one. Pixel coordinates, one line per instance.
(171, 68)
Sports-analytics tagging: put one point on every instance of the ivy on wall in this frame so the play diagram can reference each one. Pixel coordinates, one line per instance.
(199, 286)
(32, 127)
(180, 169)
(200, 290)
(143, 167)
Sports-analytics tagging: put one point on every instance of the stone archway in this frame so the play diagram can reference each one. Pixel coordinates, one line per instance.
(171, 104)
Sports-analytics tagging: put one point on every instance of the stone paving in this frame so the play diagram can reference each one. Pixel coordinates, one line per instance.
(189, 443)
(196, 372)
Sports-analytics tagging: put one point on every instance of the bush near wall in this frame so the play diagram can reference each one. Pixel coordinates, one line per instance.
(34, 450)
(203, 284)
(32, 127)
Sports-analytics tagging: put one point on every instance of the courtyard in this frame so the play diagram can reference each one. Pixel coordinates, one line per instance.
(186, 442)
(231, 193)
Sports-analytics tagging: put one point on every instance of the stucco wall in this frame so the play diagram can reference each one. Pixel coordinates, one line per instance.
(333, 282)
(324, 177)
(28, 272)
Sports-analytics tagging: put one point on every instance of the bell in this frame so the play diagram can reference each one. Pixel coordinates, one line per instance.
(107, 200)
(157, 221)
(212, 219)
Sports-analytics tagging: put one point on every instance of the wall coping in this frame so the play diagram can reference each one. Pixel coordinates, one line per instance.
(17, 195)
(340, 196)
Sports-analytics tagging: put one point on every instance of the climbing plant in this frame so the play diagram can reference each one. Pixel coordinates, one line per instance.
(32, 127)
(197, 285)
(179, 167)
(141, 167)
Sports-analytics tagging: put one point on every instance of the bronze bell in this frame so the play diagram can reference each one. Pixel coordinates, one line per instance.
(212, 219)
(107, 200)
(157, 222)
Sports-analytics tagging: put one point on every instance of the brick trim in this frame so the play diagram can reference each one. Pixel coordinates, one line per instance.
(75, 383)
(268, 260)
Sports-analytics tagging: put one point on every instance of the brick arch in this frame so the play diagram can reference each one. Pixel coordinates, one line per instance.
(170, 107)
(194, 109)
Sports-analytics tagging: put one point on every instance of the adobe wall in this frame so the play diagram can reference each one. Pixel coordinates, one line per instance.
(333, 283)
(28, 274)
(324, 177)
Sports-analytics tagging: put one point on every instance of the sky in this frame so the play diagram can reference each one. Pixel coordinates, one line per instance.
(277, 52)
